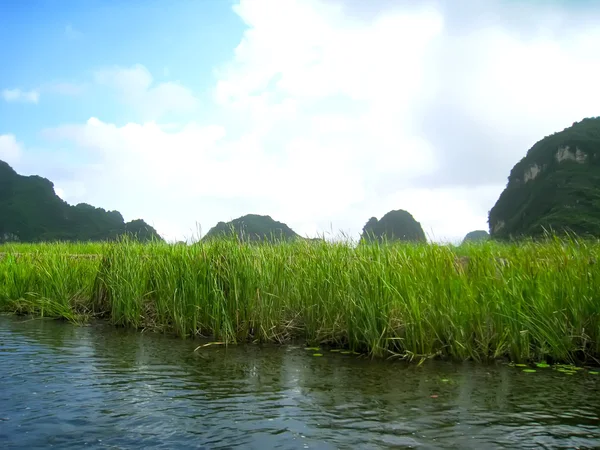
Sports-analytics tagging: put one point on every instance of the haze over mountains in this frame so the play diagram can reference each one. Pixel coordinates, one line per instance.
(555, 187)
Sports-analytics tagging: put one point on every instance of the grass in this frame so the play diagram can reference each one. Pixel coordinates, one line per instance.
(528, 301)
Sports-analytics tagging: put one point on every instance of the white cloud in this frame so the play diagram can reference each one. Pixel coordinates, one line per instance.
(17, 95)
(33, 95)
(136, 87)
(10, 149)
(307, 50)
(331, 119)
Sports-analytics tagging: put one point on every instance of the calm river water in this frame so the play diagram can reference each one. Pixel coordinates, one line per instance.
(63, 386)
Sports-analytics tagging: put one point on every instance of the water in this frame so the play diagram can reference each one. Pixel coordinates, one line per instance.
(64, 386)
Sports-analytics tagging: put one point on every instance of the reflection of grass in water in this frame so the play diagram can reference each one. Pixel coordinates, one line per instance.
(530, 302)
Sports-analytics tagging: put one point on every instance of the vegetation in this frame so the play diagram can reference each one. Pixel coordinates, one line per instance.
(476, 236)
(534, 301)
(396, 225)
(30, 211)
(555, 187)
(253, 227)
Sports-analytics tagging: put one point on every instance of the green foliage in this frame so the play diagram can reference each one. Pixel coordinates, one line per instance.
(30, 211)
(536, 301)
(253, 227)
(141, 231)
(476, 236)
(564, 196)
(398, 225)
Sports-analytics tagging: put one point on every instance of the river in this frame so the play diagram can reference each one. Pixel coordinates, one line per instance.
(64, 386)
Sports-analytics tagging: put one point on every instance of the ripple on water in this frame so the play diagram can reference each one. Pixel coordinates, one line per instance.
(101, 387)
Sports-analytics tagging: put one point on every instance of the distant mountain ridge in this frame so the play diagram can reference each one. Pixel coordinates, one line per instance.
(253, 227)
(396, 225)
(30, 211)
(476, 236)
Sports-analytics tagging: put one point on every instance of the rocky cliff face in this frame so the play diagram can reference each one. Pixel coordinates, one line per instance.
(555, 187)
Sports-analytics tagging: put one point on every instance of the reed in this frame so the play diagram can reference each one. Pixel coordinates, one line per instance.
(527, 301)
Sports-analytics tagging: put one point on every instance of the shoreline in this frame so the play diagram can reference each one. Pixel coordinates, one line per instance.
(527, 302)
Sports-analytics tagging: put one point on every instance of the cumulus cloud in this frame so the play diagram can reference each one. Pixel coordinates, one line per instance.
(135, 85)
(18, 95)
(10, 149)
(501, 92)
(339, 110)
(175, 177)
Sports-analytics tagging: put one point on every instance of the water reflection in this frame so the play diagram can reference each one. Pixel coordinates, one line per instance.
(108, 388)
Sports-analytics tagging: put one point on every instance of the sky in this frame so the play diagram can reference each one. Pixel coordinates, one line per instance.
(319, 113)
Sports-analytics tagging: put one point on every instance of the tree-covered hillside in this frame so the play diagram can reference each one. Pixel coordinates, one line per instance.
(398, 225)
(30, 211)
(476, 236)
(555, 187)
(253, 227)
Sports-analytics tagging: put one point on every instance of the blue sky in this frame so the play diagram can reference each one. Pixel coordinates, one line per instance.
(320, 113)
(55, 46)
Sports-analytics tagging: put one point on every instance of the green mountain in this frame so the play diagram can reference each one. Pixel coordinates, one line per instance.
(476, 236)
(555, 187)
(398, 225)
(253, 227)
(30, 211)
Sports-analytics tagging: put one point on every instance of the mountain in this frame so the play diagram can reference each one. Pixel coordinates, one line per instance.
(30, 211)
(555, 187)
(253, 227)
(398, 225)
(476, 236)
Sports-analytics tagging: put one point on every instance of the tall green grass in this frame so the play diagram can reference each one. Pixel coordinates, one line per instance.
(528, 301)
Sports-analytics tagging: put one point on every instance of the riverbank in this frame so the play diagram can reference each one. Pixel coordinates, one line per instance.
(527, 302)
